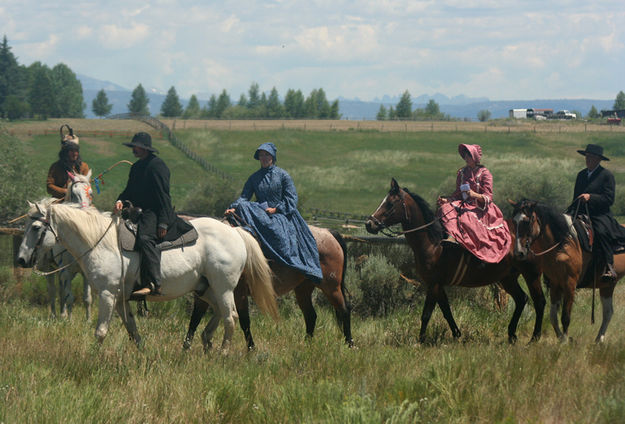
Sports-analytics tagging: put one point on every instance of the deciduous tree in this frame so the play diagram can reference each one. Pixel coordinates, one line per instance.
(403, 109)
(619, 102)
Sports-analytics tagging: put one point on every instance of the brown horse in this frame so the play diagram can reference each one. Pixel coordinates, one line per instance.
(333, 260)
(440, 263)
(547, 238)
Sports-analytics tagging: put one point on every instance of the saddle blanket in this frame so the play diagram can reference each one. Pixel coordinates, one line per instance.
(128, 234)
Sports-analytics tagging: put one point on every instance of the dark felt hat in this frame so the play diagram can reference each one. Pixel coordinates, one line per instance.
(143, 140)
(593, 149)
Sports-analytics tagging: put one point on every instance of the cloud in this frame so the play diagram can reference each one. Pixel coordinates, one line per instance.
(116, 37)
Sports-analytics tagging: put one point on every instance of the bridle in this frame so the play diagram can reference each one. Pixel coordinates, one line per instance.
(531, 239)
(389, 232)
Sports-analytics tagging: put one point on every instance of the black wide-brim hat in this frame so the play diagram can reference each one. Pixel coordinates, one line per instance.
(593, 149)
(143, 140)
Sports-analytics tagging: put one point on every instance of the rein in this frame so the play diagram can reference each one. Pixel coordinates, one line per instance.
(389, 232)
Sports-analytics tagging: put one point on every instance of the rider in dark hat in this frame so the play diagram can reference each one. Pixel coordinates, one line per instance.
(148, 188)
(595, 188)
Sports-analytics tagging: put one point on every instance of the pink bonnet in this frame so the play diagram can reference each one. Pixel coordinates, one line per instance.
(474, 150)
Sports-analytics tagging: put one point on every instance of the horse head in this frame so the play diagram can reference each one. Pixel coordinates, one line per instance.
(391, 211)
(527, 225)
(79, 189)
(37, 239)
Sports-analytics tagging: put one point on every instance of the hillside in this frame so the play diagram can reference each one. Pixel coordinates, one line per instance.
(346, 171)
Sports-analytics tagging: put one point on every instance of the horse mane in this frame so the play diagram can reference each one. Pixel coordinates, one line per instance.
(435, 231)
(44, 203)
(88, 223)
(555, 219)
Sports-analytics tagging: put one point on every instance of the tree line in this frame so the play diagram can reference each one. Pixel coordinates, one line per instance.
(37, 90)
(254, 105)
(403, 111)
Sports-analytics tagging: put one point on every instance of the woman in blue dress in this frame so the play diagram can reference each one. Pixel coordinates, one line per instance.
(274, 219)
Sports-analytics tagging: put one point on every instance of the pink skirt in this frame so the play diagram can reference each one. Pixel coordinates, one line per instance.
(484, 233)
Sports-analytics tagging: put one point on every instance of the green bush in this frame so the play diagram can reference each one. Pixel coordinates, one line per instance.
(376, 287)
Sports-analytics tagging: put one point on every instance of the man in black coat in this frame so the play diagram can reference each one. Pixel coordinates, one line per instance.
(148, 188)
(595, 187)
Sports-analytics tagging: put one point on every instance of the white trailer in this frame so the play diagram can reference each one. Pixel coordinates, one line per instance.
(518, 113)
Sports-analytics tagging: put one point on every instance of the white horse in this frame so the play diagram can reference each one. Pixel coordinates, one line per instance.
(211, 267)
(48, 260)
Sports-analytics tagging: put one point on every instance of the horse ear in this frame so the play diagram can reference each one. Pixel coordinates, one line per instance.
(71, 176)
(88, 175)
(394, 185)
(512, 202)
(30, 204)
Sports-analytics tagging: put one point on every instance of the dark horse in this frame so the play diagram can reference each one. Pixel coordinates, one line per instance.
(547, 238)
(333, 260)
(440, 264)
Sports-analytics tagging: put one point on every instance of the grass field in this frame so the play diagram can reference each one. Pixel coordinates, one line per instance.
(53, 370)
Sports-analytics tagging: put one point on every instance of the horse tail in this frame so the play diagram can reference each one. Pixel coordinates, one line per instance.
(258, 276)
(341, 241)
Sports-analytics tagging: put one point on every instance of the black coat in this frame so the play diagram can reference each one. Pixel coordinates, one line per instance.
(601, 187)
(148, 188)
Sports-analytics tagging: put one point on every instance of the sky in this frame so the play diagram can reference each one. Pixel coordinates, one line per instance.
(499, 49)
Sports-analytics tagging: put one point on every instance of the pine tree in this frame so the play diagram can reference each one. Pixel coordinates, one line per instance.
(381, 116)
(139, 101)
(592, 113)
(100, 105)
(193, 109)
(223, 103)
(9, 74)
(253, 96)
(171, 106)
(403, 110)
(274, 107)
(334, 110)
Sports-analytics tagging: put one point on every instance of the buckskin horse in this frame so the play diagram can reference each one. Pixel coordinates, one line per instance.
(441, 264)
(548, 239)
(333, 260)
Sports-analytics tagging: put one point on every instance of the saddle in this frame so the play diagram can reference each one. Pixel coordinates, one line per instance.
(128, 232)
(583, 229)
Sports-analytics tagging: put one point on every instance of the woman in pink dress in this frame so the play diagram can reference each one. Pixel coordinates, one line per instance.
(469, 214)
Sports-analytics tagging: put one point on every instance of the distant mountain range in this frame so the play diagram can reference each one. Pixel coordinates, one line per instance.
(460, 107)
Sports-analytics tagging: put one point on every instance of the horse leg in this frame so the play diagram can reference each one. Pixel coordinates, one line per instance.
(125, 313)
(443, 303)
(105, 312)
(556, 300)
(86, 296)
(223, 298)
(342, 310)
(199, 309)
(607, 308)
(426, 314)
(567, 305)
(303, 295)
(243, 309)
(67, 297)
(51, 280)
(511, 285)
(532, 279)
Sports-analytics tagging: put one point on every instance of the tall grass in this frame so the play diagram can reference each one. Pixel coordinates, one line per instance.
(54, 371)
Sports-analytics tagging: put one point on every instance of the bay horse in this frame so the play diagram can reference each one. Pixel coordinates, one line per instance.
(440, 264)
(333, 260)
(211, 267)
(546, 237)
